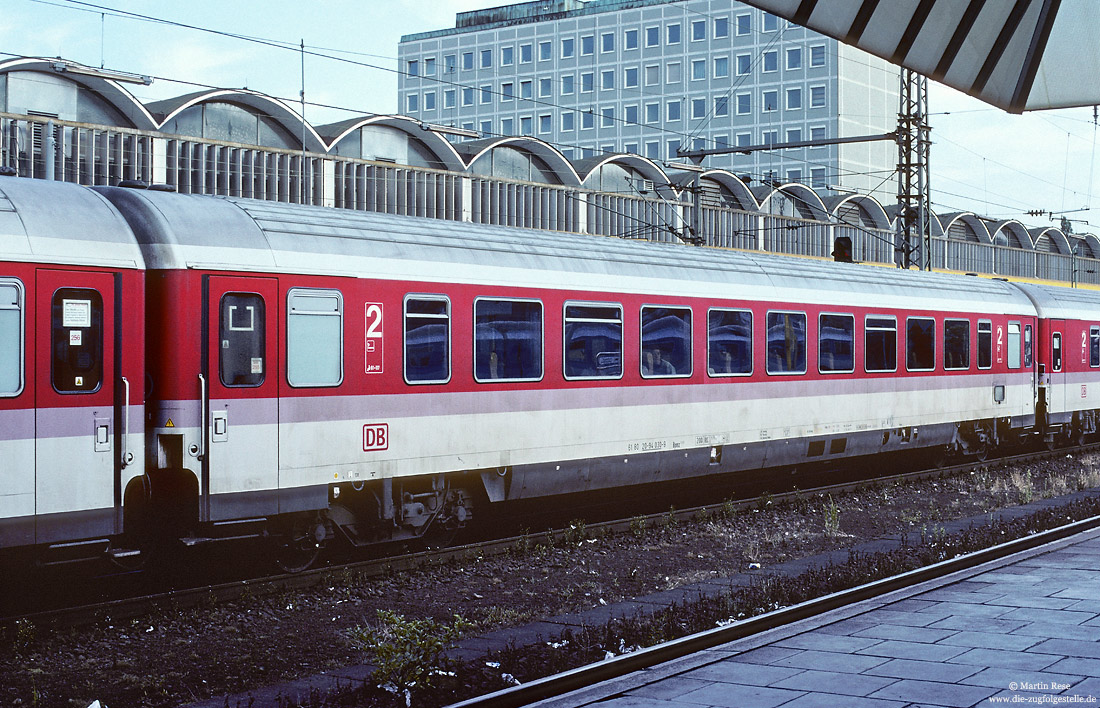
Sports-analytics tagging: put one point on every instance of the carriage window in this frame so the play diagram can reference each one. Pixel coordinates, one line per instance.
(241, 328)
(314, 338)
(11, 337)
(666, 341)
(1094, 346)
(593, 341)
(786, 343)
(1056, 352)
(1027, 346)
(880, 339)
(836, 344)
(507, 340)
(1014, 345)
(985, 344)
(920, 344)
(729, 342)
(956, 344)
(427, 340)
(77, 340)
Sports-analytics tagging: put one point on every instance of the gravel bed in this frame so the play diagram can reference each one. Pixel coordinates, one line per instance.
(175, 657)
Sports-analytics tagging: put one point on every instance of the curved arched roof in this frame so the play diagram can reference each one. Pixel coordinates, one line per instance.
(1016, 233)
(110, 91)
(1051, 240)
(804, 198)
(970, 221)
(647, 168)
(441, 148)
(562, 168)
(285, 116)
(871, 211)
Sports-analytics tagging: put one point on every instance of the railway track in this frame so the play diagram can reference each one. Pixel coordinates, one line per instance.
(132, 607)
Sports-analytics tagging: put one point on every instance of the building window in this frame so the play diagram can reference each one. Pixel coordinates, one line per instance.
(449, 64)
(794, 135)
(607, 117)
(769, 137)
(567, 85)
(721, 67)
(729, 342)
(314, 337)
(666, 342)
(427, 339)
(771, 61)
(507, 56)
(770, 101)
(630, 77)
(652, 75)
(429, 66)
(588, 120)
(631, 114)
(486, 58)
(607, 80)
(794, 58)
(673, 149)
(468, 96)
(546, 88)
(568, 48)
(525, 88)
(722, 106)
(525, 54)
(673, 33)
(836, 344)
(507, 126)
(507, 340)
(242, 327)
(587, 82)
(567, 121)
(673, 72)
(672, 110)
(794, 99)
(794, 175)
(449, 98)
(412, 103)
(698, 108)
(744, 64)
(744, 104)
(467, 61)
(698, 30)
(744, 139)
(786, 344)
(429, 101)
(956, 344)
(486, 128)
(507, 91)
(546, 124)
(630, 39)
(817, 178)
(652, 36)
(817, 132)
(698, 69)
(771, 22)
(526, 125)
(412, 67)
(652, 112)
(880, 339)
(607, 42)
(11, 337)
(817, 97)
(588, 45)
(744, 25)
(546, 51)
(817, 55)
(593, 341)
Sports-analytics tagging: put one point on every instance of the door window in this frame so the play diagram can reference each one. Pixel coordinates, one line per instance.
(11, 337)
(241, 354)
(76, 340)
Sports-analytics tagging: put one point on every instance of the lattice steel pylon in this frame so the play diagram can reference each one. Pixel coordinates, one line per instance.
(913, 244)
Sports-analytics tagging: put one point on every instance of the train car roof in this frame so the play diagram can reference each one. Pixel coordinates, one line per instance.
(56, 222)
(188, 231)
(1064, 303)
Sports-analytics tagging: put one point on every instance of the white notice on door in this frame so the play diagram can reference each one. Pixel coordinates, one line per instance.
(75, 336)
(76, 313)
(257, 365)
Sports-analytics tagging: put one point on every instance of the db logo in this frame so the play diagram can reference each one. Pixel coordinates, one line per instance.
(376, 436)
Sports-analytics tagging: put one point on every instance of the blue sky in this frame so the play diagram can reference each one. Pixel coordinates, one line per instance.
(982, 158)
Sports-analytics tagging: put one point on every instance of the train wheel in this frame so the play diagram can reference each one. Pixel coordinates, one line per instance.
(298, 542)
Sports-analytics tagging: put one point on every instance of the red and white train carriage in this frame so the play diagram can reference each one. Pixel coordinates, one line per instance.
(322, 372)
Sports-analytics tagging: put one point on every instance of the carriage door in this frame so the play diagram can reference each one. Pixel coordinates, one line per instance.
(75, 416)
(240, 401)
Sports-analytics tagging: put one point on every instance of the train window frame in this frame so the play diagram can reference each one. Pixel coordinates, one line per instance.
(947, 323)
(291, 316)
(541, 341)
(752, 360)
(222, 338)
(985, 327)
(852, 342)
(19, 306)
(642, 342)
(565, 340)
(805, 343)
(1094, 346)
(71, 322)
(1056, 352)
(425, 297)
(1029, 352)
(879, 327)
(909, 340)
(1012, 353)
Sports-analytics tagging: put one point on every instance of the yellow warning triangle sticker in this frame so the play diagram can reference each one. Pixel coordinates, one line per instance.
(169, 424)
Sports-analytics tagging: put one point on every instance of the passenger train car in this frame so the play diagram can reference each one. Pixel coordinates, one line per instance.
(197, 368)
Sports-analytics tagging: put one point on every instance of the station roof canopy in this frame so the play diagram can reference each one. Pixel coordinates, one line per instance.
(1019, 55)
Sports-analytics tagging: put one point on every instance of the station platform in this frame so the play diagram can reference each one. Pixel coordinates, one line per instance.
(1023, 630)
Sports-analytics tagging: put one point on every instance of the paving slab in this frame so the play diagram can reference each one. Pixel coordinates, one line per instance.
(923, 670)
(838, 684)
(940, 694)
(1004, 678)
(895, 649)
(1026, 660)
(738, 696)
(991, 640)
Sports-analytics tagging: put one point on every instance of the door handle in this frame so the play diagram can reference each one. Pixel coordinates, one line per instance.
(125, 458)
(204, 413)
